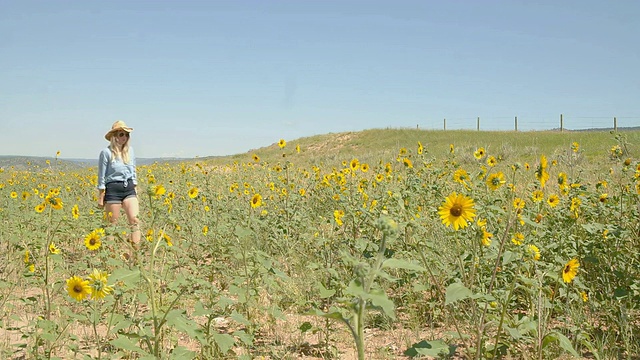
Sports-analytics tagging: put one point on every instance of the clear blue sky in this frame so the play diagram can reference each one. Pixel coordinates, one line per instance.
(201, 78)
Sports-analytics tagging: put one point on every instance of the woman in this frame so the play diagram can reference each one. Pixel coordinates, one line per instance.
(117, 179)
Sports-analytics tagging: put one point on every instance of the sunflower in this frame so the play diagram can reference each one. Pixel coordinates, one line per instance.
(407, 163)
(479, 153)
(25, 195)
(553, 200)
(461, 176)
(562, 180)
(420, 148)
(570, 270)
(541, 173)
(75, 211)
(159, 190)
(193, 192)
(298, 148)
(491, 161)
(256, 158)
(78, 288)
(53, 249)
(496, 180)
(149, 235)
(456, 210)
(166, 237)
(98, 284)
(14, 195)
(92, 241)
(256, 201)
(518, 203)
(537, 196)
(337, 216)
(451, 149)
(517, 238)
(534, 252)
(575, 147)
(379, 177)
(55, 203)
(354, 164)
(40, 208)
(486, 237)
(282, 143)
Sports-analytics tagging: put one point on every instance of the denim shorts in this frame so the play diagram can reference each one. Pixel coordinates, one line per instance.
(116, 192)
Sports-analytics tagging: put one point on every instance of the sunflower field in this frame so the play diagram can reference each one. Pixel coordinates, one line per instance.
(466, 253)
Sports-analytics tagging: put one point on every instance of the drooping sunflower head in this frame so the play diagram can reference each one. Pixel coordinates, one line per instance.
(98, 284)
(457, 210)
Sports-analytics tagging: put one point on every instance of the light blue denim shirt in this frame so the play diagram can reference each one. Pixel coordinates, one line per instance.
(117, 170)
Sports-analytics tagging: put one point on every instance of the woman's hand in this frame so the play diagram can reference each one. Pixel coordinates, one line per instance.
(101, 200)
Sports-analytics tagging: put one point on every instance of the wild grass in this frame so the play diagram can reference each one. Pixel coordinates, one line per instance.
(338, 250)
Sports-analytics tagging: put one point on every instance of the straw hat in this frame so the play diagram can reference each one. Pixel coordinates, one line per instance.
(117, 126)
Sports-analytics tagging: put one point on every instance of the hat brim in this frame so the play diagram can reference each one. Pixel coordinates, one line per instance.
(113, 131)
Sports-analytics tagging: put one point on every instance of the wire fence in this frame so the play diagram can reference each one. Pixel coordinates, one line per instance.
(516, 123)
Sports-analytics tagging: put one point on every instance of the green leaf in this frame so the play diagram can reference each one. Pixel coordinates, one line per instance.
(456, 291)
(120, 322)
(224, 342)
(306, 326)
(355, 288)
(124, 343)
(324, 292)
(402, 264)
(176, 319)
(433, 348)
(180, 353)
(562, 340)
(379, 299)
(247, 339)
(333, 313)
(239, 318)
(129, 278)
(199, 309)
(508, 257)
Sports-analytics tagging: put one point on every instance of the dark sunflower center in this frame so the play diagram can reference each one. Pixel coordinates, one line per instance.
(77, 289)
(92, 241)
(567, 269)
(456, 210)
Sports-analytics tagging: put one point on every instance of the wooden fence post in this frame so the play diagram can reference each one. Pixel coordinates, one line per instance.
(516, 123)
(561, 123)
(445, 124)
(478, 124)
(615, 124)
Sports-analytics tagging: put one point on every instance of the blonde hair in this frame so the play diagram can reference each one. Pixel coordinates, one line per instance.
(119, 153)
